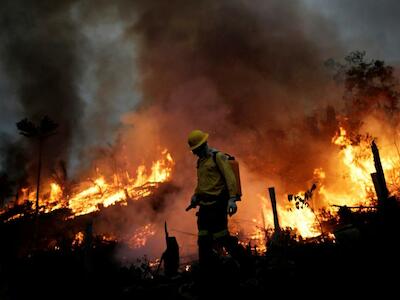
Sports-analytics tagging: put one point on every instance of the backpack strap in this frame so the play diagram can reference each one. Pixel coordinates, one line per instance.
(214, 155)
(230, 157)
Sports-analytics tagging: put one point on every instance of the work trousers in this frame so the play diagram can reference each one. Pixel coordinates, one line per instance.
(212, 222)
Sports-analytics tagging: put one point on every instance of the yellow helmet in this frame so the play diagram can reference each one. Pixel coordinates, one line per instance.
(197, 138)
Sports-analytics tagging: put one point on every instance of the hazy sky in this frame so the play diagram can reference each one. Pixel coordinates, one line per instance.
(371, 25)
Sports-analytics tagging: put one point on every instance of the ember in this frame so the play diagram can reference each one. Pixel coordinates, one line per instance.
(141, 235)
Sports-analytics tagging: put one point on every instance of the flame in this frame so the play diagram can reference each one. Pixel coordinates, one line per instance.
(355, 187)
(78, 240)
(255, 237)
(356, 164)
(351, 185)
(91, 195)
(303, 220)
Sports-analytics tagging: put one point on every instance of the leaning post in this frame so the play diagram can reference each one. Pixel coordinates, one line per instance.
(274, 210)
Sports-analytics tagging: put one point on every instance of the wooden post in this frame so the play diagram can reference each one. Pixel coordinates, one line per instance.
(379, 192)
(274, 210)
(378, 177)
(170, 255)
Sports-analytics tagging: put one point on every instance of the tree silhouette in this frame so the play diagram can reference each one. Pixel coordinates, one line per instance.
(369, 85)
(40, 132)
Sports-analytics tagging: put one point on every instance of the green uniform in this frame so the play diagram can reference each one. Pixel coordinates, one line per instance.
(213, 179)
(216, 183)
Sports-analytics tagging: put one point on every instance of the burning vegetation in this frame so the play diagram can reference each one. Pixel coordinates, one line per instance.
(91, 199)
(88, 196)
(353, 199)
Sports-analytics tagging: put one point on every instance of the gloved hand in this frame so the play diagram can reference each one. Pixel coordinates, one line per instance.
(232, 207)
(193, 203)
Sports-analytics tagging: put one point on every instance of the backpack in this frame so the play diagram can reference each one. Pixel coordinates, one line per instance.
(235, 168)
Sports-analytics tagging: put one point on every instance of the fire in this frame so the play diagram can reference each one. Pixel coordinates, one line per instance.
(259, 235)
(78, 240)
(89, 196)
(255, 237)
(350, 185)
(301, 220)
(358, 162)
(160, 171)
(56, 192)
(106, 194)
(141, 236)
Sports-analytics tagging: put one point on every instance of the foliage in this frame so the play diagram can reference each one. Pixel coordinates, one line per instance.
(369, 85)
(302, 201)
(45, 128)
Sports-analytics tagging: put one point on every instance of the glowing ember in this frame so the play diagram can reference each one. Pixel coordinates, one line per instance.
(155, 263)
(257, 237)
(109, 238)
(78, 240)
(141, 236)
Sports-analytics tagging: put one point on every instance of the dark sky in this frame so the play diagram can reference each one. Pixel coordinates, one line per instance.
(371, 25)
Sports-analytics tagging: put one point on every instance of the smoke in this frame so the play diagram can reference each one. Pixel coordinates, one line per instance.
(40, 55)
(364, 24)
(250, 73)
(246, 73)
(13, 158)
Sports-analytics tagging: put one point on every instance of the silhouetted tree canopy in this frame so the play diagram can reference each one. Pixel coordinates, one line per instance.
(369, 85)
(45, 128)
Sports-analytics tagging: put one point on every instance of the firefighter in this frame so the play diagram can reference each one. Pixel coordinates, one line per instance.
(216, 194)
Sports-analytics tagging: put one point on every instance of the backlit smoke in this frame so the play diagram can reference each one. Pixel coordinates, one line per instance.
(140, 75)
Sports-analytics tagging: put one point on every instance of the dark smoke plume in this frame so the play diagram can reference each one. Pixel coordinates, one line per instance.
(39, 53)
(247, 72)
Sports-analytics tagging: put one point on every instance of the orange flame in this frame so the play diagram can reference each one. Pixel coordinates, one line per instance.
(351, 185)
(78, 240)
(301, 220)
(103, 193)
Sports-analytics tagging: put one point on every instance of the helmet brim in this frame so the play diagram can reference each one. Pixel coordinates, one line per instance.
(203, 140)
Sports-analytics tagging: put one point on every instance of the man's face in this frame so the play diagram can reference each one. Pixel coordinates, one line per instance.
(201, 151)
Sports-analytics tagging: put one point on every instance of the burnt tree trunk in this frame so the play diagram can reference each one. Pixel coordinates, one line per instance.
(38, 176)
(378, 177)
(274, 210)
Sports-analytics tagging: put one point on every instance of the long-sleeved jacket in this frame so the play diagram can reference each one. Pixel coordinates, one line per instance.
(212, 179)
